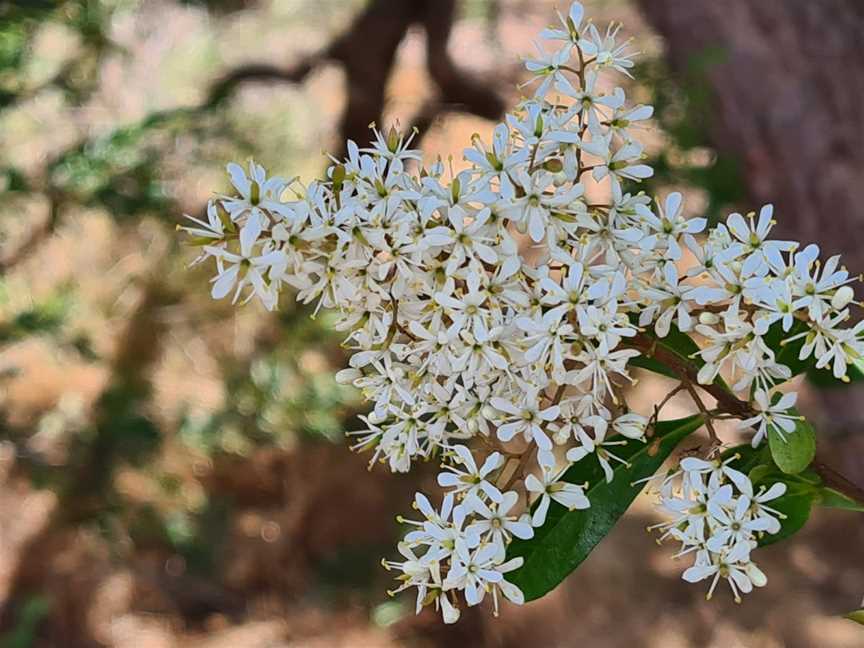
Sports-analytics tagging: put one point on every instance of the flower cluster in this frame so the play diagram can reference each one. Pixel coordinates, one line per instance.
(501, 304)
(462, 546)
(758, 281)
(714, 512)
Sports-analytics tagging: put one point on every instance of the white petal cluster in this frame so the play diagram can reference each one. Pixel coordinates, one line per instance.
(754, 282)
(716, 515)
(500, 303)
(461, 547)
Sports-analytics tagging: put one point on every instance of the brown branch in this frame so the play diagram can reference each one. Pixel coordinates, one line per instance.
(367, 52)
(726, 400)
(229, 82)
(37, 236)
(705, 415)
(658, 407)
(519, 470)
(833, 479)
(731, 404)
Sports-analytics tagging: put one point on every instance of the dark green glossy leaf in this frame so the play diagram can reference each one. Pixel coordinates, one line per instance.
(793, 453)
(835, 499)
(644, 362)
(567, 537)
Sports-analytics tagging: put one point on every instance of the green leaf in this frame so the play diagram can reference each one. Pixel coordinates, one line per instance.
(644, 362)
(567, 537)
(835, 499)
(748, 457)
(795, 505)
(794, 453)
(857, 616)
(758, 473)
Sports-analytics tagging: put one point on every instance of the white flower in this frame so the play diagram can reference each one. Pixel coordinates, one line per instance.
(547, 66)
(552, 489)
(493, 523)
(741, 574)
(571, 25)
(631, 425)
(776, 416)
(548, 338)
(605, 49)
(533, 210)
(597, 445)
(588, 100)
(465, 240)
(754, 235)
(245, 267)
(620, 164)
(473, 571)
(214, 228)
(669, 226)
(471, 479)
(736, 525)
(526, 419)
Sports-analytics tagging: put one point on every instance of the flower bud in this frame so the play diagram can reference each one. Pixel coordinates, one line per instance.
(709, 319)
(553, 165)
(338, 176)
(842, 298)
(393, 139)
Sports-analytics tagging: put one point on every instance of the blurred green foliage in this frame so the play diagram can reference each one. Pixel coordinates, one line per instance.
(278, 392)
(32, 613)
(279, 395)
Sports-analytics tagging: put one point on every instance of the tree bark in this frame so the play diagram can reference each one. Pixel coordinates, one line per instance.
(788, 97)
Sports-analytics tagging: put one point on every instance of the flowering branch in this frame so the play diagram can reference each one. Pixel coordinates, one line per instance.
(726, 400)
(728, 403)
(458, 336)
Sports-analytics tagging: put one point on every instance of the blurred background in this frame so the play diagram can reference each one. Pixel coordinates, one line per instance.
(173, 471)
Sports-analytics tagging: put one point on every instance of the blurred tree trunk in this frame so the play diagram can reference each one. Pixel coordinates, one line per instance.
(367, 52)
(788, 102)
(788, 98)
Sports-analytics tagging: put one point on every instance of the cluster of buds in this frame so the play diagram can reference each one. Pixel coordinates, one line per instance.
(502, 305)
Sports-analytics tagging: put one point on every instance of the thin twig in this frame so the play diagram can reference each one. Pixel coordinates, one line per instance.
(708, 424)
